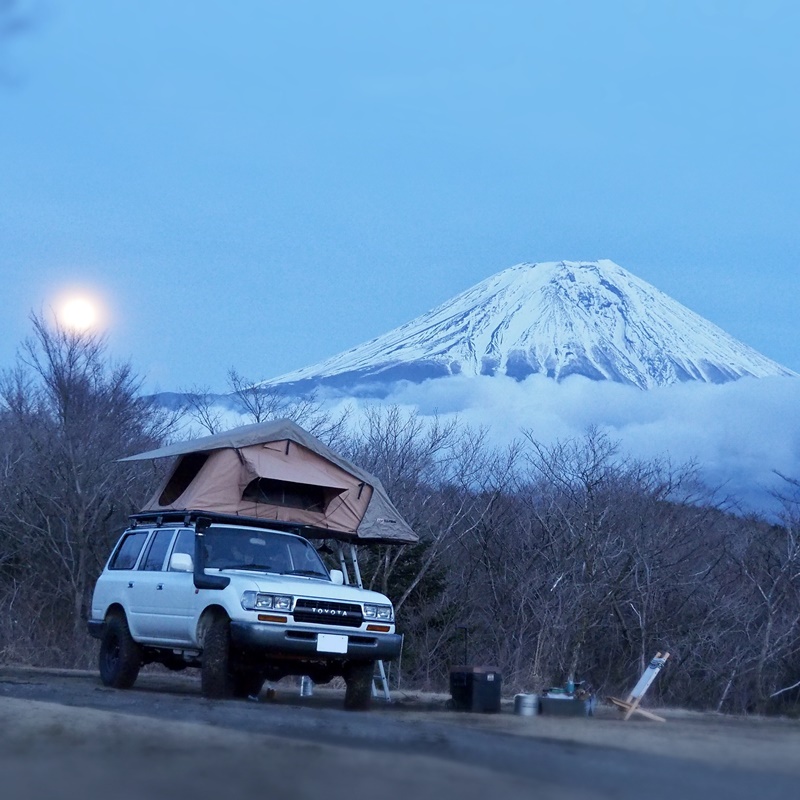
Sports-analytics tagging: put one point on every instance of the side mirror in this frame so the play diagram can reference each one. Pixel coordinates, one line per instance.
(337, 577)
(181, 562)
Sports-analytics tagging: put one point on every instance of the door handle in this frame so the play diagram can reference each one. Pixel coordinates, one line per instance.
(160, 586)
(130, 584)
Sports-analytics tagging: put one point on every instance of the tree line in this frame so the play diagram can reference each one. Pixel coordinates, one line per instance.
(545, 561)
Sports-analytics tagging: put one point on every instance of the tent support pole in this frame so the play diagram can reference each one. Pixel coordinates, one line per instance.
(381, 676)
(384, 682)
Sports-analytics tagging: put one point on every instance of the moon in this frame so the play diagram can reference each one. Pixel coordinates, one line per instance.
(79, 313)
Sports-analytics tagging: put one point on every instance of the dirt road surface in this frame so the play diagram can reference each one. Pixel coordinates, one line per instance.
(64, 735)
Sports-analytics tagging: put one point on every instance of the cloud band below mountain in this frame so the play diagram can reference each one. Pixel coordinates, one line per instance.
(739, 433)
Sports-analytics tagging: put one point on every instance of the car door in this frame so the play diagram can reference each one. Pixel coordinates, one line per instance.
(178, 598)
(149, 607)
(117, 581)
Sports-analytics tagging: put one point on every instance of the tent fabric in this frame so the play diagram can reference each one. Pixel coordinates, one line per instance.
(357, 507)
(297, 464)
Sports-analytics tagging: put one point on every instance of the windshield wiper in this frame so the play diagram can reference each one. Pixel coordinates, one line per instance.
(263, 567)
(312, 572)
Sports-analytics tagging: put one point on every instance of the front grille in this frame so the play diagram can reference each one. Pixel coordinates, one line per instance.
(326, 612)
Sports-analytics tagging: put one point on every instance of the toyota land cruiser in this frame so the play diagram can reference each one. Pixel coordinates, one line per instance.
(240, 599)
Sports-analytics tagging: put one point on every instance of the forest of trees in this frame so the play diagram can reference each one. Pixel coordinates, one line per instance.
(541, 560)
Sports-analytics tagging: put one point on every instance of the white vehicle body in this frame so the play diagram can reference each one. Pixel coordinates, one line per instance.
(244, 603)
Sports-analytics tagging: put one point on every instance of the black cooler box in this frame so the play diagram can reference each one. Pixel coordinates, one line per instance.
(475, 688)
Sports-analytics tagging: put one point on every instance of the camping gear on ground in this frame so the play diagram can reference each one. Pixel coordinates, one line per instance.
(564, 705)
(576, 699)
(526, 705)
(630, 705)
(475, 688)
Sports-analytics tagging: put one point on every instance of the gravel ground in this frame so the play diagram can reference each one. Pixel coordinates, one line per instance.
(55, 742)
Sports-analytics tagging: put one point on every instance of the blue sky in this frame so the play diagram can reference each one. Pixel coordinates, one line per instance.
(261, 185)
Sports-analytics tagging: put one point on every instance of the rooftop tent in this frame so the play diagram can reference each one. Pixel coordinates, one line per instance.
(278, 471)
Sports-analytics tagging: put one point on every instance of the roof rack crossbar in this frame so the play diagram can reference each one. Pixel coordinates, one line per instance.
(188, 516)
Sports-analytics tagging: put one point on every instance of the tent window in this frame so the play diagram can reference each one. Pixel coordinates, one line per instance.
(286, 493)
(184, 473)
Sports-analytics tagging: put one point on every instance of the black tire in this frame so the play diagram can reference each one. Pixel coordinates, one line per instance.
(358, 679)
(120, 657)
(247, 684)
(216, 679)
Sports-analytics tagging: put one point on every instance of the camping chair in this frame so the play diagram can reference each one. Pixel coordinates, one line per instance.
(631, 704)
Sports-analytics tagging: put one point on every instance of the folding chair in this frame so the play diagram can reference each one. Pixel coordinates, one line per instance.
(631, 704)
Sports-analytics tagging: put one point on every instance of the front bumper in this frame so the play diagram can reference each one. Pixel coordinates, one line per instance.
(282, 640)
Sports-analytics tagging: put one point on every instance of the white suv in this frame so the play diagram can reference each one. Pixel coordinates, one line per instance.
(243, 602)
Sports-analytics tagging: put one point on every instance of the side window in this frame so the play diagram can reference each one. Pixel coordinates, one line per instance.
(128, 551)
(154, 561)
(184, 543)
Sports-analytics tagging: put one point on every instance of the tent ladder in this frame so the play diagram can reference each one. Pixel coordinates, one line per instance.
(343, 565)
(380, 677)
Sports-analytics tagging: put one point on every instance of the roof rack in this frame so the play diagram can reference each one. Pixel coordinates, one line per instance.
(187, 517)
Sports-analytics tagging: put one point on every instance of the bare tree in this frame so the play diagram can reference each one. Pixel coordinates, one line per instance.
(262, 403)
(68, 415)
(444, 478)
(249, 402)
(202, 408)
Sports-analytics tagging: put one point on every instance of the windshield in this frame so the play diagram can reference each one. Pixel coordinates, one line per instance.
(268, 551)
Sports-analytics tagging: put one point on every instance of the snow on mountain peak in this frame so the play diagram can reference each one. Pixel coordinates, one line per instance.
(590, 318)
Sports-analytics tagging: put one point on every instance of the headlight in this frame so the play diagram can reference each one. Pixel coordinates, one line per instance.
(385, 613)
(258, 601)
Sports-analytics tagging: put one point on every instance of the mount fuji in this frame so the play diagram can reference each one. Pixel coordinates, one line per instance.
(589, 318)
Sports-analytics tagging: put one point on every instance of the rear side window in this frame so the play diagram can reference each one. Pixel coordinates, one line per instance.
(128, 551)
(154, 560)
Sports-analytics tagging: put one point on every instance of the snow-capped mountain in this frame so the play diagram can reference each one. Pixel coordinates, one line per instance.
(590, 318)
